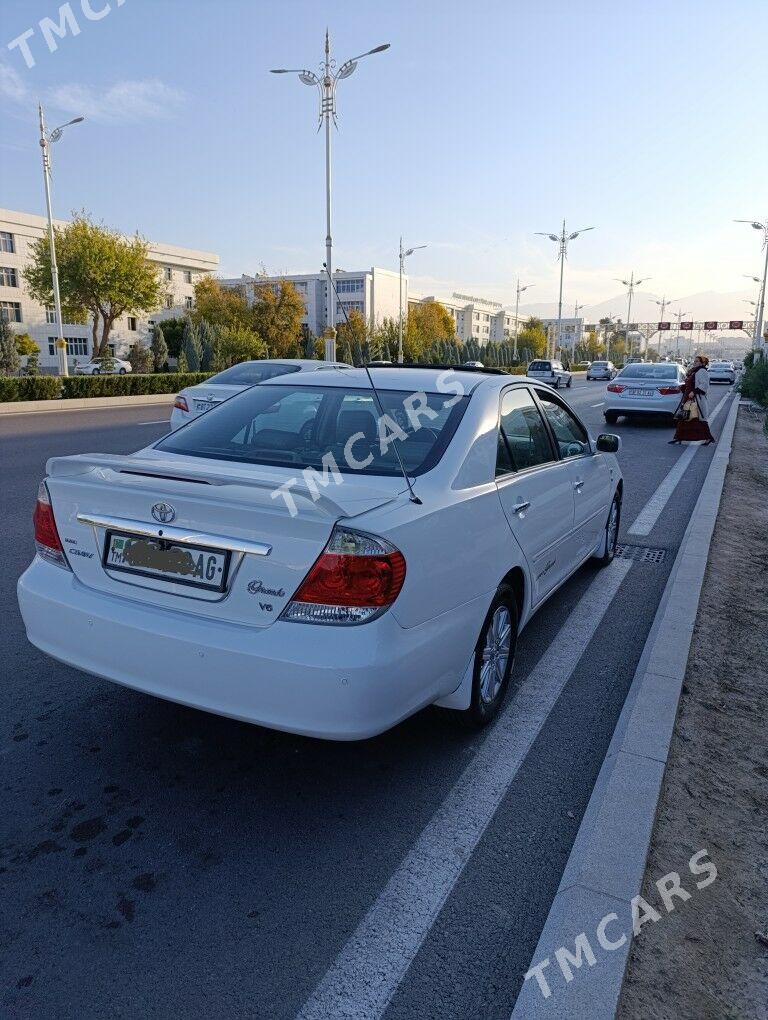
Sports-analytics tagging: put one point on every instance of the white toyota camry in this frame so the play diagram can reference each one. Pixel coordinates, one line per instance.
(318, 556)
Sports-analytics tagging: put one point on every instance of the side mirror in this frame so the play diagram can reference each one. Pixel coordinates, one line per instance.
(608, 443)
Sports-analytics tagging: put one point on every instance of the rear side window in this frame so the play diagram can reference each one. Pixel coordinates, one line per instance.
(249, 373)
(540, 366)
(523, 439)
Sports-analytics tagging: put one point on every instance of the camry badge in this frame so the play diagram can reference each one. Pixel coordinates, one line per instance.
(163, 512)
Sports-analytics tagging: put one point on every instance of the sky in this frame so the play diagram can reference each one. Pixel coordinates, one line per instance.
(483, 123)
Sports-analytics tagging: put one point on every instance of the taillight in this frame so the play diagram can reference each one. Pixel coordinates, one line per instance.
(616, 388)
(47, 539)
(355, 579)
(180, 403)
(667, 391)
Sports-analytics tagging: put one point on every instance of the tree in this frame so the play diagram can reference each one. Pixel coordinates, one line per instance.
(9, 356)
(159, 348)
(140, 358)
(428, 321)
(237, 343)
(354, 332)
(209, 343)
(173, 334)
(277, 314)
(101, 274)
(190, 345)
(533, 337)
(25, 345)
(221, 306)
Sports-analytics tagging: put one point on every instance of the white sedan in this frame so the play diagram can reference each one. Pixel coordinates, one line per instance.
(642, 389)
(722, 372)
(104, 366)
(298, 557)
(196, 400)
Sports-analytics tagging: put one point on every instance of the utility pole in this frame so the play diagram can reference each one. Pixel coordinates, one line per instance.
(403, 256)
(518, 291)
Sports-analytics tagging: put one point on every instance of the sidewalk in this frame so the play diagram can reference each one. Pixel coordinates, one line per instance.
(82, 403)
(709, 957)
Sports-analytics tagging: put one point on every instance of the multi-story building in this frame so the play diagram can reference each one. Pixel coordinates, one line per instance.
(571, 332)
(374, 293)
(181, 268)
(476, 318)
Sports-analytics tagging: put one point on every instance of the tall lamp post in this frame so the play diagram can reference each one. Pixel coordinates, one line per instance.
(679, 316)
(630, 284)
(326, 84)
(576, 309)
(403, 256)
(663, 305)
(46, 140)
(759, 311)
(561, 240)
(518, 291)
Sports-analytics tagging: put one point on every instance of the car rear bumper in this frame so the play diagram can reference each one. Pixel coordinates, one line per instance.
(331, 682)
(727, 379)
(638, 405)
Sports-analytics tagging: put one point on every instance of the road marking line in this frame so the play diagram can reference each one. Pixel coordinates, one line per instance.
(162, 421)
(645, 521)
(367, 972)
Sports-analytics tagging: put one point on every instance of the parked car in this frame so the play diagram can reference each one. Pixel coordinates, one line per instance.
(196, 400)
(104, 366)
(601, 370)
(270, 561)
(722, 372)
(551, 372)
(643, 389)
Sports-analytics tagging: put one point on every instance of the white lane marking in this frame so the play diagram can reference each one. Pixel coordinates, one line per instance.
(365, 975)
(161, 421)
(645, 521)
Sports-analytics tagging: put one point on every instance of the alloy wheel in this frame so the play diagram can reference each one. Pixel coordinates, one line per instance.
(495, 654)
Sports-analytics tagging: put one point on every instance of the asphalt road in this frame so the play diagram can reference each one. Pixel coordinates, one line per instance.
(158, 862)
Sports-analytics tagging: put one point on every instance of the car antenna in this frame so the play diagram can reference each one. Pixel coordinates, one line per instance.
(413, 497)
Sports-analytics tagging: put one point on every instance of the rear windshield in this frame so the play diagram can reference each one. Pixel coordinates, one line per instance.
(248, 373)
(298, 426)
(648, 372)
(599, 364)
(539, 366)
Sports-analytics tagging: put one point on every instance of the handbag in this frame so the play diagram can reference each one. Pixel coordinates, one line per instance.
(682, 412)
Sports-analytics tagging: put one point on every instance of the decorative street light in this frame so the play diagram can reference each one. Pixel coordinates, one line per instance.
(403, 256)
(663, 304)
(761, 299)
(46, 140)
(576, 309)
(326, 86)
(630, 284)
(561, 240)
(518, 291)
(679, 316)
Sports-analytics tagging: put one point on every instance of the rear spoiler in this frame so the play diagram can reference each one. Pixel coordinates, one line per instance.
(149, 467)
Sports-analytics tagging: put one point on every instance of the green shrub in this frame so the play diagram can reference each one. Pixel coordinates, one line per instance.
(33, 387)
(754, 382)
(130, 385)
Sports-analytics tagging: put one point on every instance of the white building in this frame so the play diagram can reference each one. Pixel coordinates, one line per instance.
(181, 268)
(374, 293)
(476, 318)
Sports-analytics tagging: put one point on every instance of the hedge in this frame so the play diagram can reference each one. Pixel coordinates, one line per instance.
(129, 385)
(754, 382)
(30, 387)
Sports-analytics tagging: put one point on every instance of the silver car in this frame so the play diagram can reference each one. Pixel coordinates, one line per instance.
(601, 370)
(722, 371)
(196, 400)
(551, 372)
(644, 389)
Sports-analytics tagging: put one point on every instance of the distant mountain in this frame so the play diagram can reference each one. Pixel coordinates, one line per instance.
(705, 305)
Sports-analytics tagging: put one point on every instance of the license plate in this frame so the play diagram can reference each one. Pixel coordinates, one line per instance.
(192, 565)
(641, 393)
(205, 405)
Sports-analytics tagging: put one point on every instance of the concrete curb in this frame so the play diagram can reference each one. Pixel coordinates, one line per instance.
(82, 404)
(607, 863)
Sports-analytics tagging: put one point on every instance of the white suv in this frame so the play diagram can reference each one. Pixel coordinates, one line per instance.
(551, 372)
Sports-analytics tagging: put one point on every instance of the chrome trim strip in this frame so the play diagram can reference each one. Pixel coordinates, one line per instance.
(180, 535)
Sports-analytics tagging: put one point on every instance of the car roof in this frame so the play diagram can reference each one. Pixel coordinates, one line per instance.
(412, 379)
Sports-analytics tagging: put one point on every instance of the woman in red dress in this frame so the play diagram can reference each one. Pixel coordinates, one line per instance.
(694, 402)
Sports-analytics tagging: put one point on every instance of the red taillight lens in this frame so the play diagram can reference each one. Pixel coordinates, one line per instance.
(47, 539)
(180, 403)
(616, 388)
(356, 578)
(667, 391)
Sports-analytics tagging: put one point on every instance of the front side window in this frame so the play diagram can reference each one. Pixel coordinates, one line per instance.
(523, 438)
(570, 435)
(305, 426)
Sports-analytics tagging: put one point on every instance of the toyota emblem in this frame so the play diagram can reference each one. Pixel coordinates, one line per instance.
(163, 512)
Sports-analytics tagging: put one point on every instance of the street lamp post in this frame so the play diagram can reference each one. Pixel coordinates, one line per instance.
(759, 311)
(326, 86)
(576, 309)
(46, 140)
(518, 291)
(630, 284)
(561, 240)
(679, 317)
(663, 304)
(403, 256)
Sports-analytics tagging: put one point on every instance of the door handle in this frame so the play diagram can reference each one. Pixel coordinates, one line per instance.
(520, 508)
(578, 486)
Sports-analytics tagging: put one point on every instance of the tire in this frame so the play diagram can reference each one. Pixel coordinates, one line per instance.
(121, 372)
(96, 371)
(489, 687)
(568, 384)
(556, 383)
(611, 417)
(611, 535)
